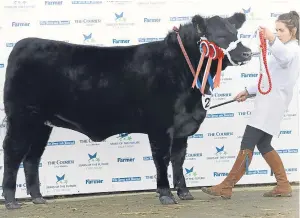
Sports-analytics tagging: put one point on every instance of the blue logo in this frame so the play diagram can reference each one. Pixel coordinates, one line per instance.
(196, 136)
(10, 44)
(93, 162)
(54, 22)
(61, 143)
(86, 2)
(93, 157)
(126, 160)
(219, 174)
(220, 155)
(220, 115)
(249, 75)
(127, 179)
(221, 150)
(119, 17)
(61, 179)
(257, 172)
(152, 39)
(285, 132)
(147, 158)
(191, 175)
(1, 65)
(120, 41)
(20, 24)
(183, 18)
(152, 20)
(93, 181)
(53, 3)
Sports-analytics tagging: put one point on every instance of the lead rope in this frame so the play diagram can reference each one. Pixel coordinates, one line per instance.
(263, 65)
(263, 62)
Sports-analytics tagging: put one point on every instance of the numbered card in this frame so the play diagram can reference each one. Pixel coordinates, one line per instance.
(206, 100)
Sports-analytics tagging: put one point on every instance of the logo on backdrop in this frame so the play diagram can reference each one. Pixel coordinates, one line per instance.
(220, 155)
(53, 3)
(150, 39)
(61, 143)
(61, 184)
(127, 179)
(84, 2)
(123, 140)
(93, 162)
(19, 5)
(60, 163)
(196, 136)
(193, 156)
(191, 175)
(120, 21)
(220, 135)
(220, 115)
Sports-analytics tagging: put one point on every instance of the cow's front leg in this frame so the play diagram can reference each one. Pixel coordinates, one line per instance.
(177, 158)
(161, 151)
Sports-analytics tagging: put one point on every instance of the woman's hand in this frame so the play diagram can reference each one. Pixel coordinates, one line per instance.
(242, 96)
(267, 34)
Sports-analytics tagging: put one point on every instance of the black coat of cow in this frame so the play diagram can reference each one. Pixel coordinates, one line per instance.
(103, 91)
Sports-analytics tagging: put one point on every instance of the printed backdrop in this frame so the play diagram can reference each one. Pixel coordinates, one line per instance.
(72, 163)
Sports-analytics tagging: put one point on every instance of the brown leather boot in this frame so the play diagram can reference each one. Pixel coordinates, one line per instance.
(224, 189)
(283, 188)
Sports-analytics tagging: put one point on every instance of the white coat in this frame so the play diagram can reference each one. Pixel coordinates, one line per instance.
(284, 68)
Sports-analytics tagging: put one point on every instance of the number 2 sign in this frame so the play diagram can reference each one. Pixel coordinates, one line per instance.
(206, 100)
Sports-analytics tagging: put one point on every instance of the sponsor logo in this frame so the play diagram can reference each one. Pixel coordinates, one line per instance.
(220, 115)
(152, 20)
(51, 3)
(54, 22)
(93, 181)
(86, 2)
(125, 160)
(120, 41)
(127, 179)
(20, 24)
(196, 136)
(249, 75)
(61, 143)
(152, 39)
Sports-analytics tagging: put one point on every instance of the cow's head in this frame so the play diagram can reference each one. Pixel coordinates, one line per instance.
(224, 33)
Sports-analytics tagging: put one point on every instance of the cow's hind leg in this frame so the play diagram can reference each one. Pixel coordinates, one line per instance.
(161, 151)
(178, 154)
(31, 164)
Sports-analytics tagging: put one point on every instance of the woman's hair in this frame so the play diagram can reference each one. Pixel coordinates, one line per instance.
(291, 20)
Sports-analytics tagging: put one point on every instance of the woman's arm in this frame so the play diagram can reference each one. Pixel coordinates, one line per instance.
(282, 53)
(252, 89)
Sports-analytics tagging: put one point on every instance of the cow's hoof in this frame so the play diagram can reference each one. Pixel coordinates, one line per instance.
(166, 196)
(39, 200)
(12, 205)
(167, 200)
(185, 195)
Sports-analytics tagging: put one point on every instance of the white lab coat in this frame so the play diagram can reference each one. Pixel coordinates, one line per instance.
(284, 67)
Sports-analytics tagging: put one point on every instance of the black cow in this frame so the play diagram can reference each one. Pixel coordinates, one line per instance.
(103, 91)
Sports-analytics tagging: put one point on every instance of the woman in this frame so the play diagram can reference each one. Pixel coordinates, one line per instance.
(284, 66)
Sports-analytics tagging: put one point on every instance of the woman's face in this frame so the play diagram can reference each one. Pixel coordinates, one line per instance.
(283, 33)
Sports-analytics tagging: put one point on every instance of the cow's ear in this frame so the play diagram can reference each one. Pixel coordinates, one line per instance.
(237, 20)
(200, 24)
